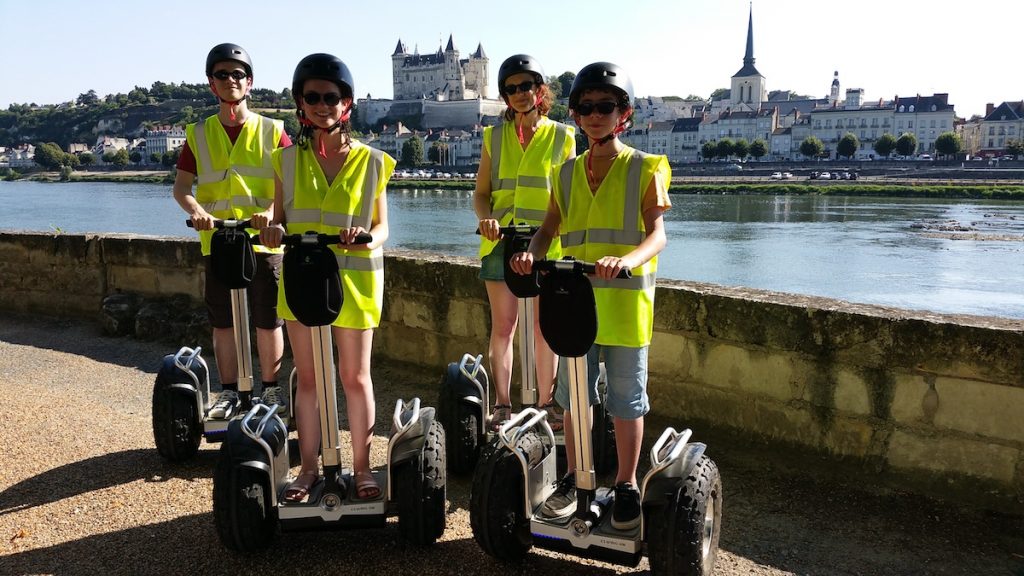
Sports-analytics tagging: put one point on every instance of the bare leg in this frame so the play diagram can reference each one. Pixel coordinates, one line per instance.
(628, 436)
(270, 345)
(307, 411)
(504, 317)
(354, 369)
(546, 362)
(225, 353)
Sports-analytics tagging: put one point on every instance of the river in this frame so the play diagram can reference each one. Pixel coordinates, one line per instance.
(888, 251)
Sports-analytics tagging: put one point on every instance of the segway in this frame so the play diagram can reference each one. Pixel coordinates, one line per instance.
(463, 402)
(181, 393)
(252, 472)
(681, 494)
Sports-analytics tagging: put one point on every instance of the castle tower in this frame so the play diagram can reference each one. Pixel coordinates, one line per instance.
(397, 60)
(748, 85)
(833, 98)
(453, 71)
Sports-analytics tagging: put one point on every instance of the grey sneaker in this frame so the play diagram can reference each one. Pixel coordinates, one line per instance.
(225, 406)
(562, 501)
(626, 508)
(275, 395)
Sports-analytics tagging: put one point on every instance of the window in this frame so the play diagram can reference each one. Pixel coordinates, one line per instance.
(828, 124)
(942, 124)
(911, 107)
(901, 107)
(932, 123)
(991, 131)
(862, 134)
(910, 124)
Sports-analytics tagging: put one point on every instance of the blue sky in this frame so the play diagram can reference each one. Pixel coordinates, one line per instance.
(57, 50)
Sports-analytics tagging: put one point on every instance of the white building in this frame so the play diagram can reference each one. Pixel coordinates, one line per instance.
(441, 75)
(1001, 124)
(164, 139)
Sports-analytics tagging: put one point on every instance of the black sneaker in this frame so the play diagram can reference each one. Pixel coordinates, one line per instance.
(562, 501)
(626, 508)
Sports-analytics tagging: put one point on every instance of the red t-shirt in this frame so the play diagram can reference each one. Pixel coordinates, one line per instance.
(187, 160)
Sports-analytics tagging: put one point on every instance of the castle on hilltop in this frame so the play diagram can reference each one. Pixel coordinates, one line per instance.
(440, 76)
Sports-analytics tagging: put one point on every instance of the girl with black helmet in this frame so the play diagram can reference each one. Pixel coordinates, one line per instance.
(226, 153)
(331, 183)
(512, 187)
(607, 206)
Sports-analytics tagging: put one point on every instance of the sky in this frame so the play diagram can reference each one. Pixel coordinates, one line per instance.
(56, 50)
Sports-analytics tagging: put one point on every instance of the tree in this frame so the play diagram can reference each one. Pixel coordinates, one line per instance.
(885, 145)
(88, 99)
(906, 145)
(848, 145)
(108, 157)
(811, 147)
(758, 148)
(709, 150)
(566, 79)
(437, 152)
(170, 158)
(582, 144)
(1015, 147)
(412, 151)
(948, 143)
(724, 148)
(154, 158)
(559, 113)
(135, 157)
(86, 159)
(71, 161)
(718, 93)
(49, 155)
(121, 158)
(741, 148)
(555, 86)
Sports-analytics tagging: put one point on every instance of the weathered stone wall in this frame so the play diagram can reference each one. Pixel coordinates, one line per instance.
(935, 400)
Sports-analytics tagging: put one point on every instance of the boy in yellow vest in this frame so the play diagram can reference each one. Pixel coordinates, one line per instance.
(229, 155)
(606, 206)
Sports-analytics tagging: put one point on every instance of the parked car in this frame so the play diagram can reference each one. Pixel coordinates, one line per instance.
(733, 168)
(824, 176)
(1006, 158)
(787, 175)
(776, 176)
(925, 157)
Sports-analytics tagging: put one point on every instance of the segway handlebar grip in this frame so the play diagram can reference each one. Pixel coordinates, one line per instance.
(322, 239)
(247, 223)
(573, 265)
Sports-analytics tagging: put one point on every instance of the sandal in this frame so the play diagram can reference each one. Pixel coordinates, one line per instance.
(366, 487)
(299, 489)
(499, 415)
(554, 418)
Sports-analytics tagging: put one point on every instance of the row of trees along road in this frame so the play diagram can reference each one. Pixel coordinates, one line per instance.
(947, 144)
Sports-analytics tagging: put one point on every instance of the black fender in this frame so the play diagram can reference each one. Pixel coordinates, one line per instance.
(410, 445)
(667, 481)
(461, 387)
(178, 381)
(242, 448)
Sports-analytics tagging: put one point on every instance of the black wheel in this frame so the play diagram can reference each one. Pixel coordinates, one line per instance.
(242, 507)
(682, 533)
(421, 491)
(177, 430)
(605, 457)
(496, 504)
(461, 425)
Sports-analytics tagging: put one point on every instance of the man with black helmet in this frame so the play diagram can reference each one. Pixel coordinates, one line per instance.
(512, 187)
(607, 206)
(229, 155)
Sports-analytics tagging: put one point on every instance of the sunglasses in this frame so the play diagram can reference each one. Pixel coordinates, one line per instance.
(510, 89)
(234, 74)
(587, 108)
(313, 98)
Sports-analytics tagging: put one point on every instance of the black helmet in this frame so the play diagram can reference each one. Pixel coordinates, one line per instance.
(222, 52)
(322, 67)
(520, 63)
(600, 75)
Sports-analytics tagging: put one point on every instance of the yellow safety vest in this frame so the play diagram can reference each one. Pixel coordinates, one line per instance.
(234, 181)
(313, 204)
(610, 223)
(520, 179)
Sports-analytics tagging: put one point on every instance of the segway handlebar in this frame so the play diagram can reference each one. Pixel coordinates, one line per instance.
(247, 223)
(519, 229)
(572, 265)
(322, 240)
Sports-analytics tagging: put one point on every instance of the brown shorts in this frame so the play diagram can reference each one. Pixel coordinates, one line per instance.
(262, 294)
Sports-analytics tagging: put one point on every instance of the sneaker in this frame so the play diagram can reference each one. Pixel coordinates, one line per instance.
(225, 406)
(275, 395)
(563, 500)
(626, 508)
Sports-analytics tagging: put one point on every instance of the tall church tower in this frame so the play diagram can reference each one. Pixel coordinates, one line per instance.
(833, 98)
(748, 85)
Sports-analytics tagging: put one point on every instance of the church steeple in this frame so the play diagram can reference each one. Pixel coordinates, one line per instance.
(748, 58)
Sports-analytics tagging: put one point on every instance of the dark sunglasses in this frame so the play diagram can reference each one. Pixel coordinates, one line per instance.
(510, 89)
(235, 74)
(587, 108)
(313, 98)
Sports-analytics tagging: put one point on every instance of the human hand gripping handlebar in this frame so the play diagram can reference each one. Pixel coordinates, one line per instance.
(218, 224)
(575, 266)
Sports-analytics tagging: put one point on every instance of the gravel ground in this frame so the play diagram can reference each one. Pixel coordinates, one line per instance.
(83, 491)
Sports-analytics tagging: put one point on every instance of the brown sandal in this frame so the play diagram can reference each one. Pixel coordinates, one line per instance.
(366, 487)
(554, 418)
(298, 490)
(499, 415)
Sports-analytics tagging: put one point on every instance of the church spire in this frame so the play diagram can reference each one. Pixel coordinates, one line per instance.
(748, 58)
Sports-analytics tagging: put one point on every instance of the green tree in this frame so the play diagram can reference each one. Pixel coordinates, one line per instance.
(49, 155)
(565, 79)
(559, 113)
(412, 151)
(154, 158)
(948, 143)
(437, 151)
(582, 144)
(86, 159)
(1015, 148)
(719, 92)
(121, 158)
(88, 99)
(170, 158)
(724, 148)
(741, 148)
(848, 145)
(709, 150)
(885, 145)
(555, 86)
(812, 147)
(758, 148)
(65, 173)
(135, 157)
(71, 161)
(906, 144)
(108, 157)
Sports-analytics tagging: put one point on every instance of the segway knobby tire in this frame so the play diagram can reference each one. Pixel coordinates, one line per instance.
(422, 491)
(242, 511)
(496, 512)
(678, 538)
(461, 425)
(176, 428)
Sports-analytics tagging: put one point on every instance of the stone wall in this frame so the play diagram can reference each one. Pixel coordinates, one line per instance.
(932, 400)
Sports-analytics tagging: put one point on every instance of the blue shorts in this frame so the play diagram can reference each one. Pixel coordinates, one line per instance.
(492, 266)
(626, 370)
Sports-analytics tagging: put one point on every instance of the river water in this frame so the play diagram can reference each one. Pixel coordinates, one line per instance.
(887, 251)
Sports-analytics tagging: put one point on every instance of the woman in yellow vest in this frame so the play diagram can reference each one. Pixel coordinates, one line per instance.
(512, 186)
(332, 184)
(607, 208)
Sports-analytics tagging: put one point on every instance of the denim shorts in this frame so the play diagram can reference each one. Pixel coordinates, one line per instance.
(626, 369)
(492, 266)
